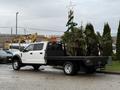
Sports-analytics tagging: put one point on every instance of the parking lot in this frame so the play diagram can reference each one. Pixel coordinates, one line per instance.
(48, 78)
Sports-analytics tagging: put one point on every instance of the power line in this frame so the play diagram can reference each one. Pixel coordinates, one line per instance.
(5, 27)
(41, 29)
(35, 29)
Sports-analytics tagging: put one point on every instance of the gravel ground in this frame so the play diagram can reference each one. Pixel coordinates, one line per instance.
(53, 79)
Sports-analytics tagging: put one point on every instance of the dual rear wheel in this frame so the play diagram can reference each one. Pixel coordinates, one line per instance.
(70, 68)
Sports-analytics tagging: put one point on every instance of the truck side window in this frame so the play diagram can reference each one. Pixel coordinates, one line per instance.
(38, 46)
(30, 48)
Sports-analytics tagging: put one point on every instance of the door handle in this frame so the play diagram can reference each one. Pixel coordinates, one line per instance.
(41, 53)
(31, 53)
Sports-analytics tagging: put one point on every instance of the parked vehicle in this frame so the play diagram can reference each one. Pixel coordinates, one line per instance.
(5, 57)
(18, 46)
(12, 51)
(48, 53)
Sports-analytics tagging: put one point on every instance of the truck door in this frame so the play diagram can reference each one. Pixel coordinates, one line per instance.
(39, 53)
(27, 54)
(34, 54)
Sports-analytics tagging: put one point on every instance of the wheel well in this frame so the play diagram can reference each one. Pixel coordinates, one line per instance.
(76, 63)
(16, 58)
(79, 63)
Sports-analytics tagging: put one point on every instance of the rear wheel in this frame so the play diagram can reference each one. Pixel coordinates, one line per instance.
(16, 65)
(70, 68)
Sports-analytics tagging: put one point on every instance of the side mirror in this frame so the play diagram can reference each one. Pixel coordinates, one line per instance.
(21, 50)
(24, 50)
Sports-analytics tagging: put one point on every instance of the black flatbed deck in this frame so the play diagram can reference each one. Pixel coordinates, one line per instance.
(95, 60)
(76, 57)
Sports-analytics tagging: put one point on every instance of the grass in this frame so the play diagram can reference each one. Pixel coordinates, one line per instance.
(115, 67)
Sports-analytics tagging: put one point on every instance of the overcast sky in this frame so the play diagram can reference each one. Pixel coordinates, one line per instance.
(42, 15)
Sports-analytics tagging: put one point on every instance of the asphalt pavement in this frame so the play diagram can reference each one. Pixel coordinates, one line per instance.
(48, 78)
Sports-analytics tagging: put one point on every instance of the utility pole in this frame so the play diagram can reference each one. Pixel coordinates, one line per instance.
(24, 31)
(11, 31)
(16, 22)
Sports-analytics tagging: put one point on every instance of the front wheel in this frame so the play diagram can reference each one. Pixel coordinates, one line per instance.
(69, 68)
(16, 65)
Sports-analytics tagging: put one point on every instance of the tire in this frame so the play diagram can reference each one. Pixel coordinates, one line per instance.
(70, 68)
(90, 70)
(16, 65)
(36, 67)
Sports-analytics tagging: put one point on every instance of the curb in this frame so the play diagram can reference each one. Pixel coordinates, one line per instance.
(107, 72)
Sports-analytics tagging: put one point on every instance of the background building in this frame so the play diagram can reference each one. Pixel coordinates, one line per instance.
(8, 37)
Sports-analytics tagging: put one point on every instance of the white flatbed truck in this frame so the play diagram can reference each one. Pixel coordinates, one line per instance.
(53, 54)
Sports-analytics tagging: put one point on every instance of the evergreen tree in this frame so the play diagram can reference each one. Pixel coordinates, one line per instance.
(91, 40)
(74, 37)
(118, 43)
(100, 43)
(75, 42)
(107, 40)
(70, 24)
